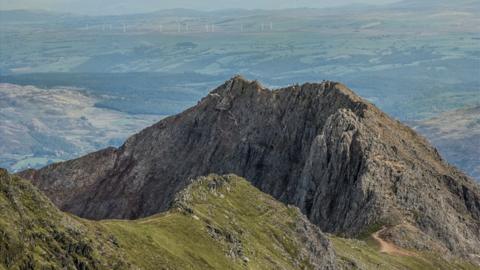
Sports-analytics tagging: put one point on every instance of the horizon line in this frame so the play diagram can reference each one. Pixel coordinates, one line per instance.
(58, 12)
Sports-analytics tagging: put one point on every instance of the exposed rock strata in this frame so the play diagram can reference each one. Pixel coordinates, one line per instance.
(348, 166)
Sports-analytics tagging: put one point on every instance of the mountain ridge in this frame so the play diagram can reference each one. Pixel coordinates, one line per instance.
(347, 165)
(212, 228)
(216, 222)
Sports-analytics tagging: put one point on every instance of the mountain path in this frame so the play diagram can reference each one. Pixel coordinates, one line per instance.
(389, 248)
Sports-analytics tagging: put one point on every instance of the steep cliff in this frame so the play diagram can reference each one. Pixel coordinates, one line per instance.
(349, 167)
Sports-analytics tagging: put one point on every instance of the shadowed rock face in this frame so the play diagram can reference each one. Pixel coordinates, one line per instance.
(345, 164)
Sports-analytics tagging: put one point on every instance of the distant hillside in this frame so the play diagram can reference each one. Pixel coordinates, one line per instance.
(457, 135)
(40, 126)
(415, 5)
(28, 16)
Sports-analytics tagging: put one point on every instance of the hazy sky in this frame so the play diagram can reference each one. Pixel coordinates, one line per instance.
(135, 6)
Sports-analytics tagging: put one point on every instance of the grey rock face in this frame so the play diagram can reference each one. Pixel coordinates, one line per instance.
(316, 248)
(344, 163)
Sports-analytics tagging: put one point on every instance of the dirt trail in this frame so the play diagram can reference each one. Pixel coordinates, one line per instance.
(389, 248)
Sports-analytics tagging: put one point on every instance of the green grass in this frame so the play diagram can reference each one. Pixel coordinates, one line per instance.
(35, 235)
(229, 226)
(365, 254)
(252, 231)
(368, 232)
(218, 222)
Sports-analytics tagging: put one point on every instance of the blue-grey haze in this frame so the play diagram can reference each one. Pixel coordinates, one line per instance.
(95, 7)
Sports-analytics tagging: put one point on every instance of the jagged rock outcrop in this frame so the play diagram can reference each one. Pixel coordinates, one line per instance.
(238, 215)
(344, 163)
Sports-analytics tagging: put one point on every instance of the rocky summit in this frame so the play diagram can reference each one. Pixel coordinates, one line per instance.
(350, 168)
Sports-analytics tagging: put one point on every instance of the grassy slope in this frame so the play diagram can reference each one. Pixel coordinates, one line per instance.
(230, 225)
(35, 235)
(365, 254)
(233, 226)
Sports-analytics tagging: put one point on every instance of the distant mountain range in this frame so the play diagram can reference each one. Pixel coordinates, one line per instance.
(413, 5)
(350, 168)
(441, 4)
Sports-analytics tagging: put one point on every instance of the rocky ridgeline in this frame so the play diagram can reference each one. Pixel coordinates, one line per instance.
(349, 167)
(311, 246)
